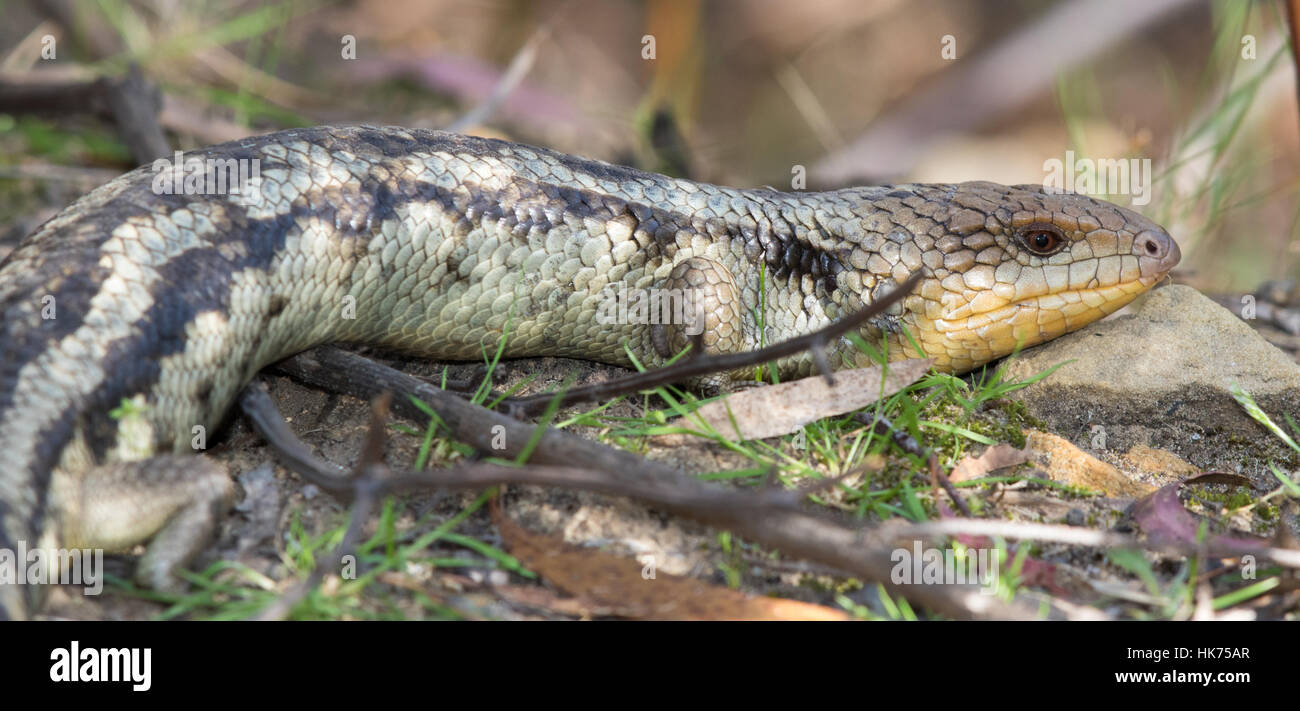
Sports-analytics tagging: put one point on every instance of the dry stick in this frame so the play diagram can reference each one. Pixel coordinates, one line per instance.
(796, 533)
(1076, 536)
(989, 84)
(938, 475)
(519, 67)
(130, 102)
(373, 480)
(298, 457)
(698, 363)
(256, 403)
(54, 97)
(79, 177)
(65, 93)
(1293, 24)
(908, 443)
(367, 487)
(86, 23)
(135, 104)
(704, 503)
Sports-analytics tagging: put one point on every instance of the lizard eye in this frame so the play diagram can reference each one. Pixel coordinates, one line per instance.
(1041, 239)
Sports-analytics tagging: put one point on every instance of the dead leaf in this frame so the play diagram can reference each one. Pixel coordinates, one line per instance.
(775, 410)
(999, 456)
(631, 588)
(1164, 519)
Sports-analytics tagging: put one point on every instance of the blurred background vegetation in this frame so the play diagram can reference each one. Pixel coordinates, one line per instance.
(733, 91)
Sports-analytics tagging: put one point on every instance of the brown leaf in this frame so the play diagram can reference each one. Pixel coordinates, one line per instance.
(775, 410)
(999, 456)
(1162, 517)
(622, 586)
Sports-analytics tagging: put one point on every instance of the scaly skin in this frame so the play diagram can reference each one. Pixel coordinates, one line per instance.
(432, 243)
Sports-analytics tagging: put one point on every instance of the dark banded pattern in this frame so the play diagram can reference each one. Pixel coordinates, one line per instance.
(437, 244)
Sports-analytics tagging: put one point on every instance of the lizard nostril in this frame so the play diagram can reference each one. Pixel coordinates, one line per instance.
(1157, 252)
(1150, 244)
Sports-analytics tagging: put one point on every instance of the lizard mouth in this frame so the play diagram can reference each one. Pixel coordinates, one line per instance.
(970, 340)
(1077, 307)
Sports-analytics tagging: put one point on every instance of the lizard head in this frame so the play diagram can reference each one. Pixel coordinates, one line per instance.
(1011, 266)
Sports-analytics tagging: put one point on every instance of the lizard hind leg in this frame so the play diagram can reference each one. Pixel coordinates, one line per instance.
(176, 500)
(711, 306)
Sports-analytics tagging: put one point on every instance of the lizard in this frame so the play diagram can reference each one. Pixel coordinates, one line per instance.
(131, 319)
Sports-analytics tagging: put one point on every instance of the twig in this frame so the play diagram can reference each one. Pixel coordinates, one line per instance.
(941, 479)
(908, 443)
(519, 67)
(256, 404)
(697, 363)
(131, 102)
(989, 85)
(368, 486)
(54, 173)
(1293, 24)
(1074, 535)
(582, 463)
(134, 104)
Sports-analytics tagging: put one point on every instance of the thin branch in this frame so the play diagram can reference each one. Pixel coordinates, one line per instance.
(131, 102)
(581, 463)
(908, 443)
(1293, 25)
(705, 364)
(1077, 536)
(256, 404)
(519, 67)
(367, 488)
(989, 84)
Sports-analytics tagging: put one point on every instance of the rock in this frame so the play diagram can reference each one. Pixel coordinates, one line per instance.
(1066, 463)
(1161, 377)
(1158, 463)
(261, 505)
